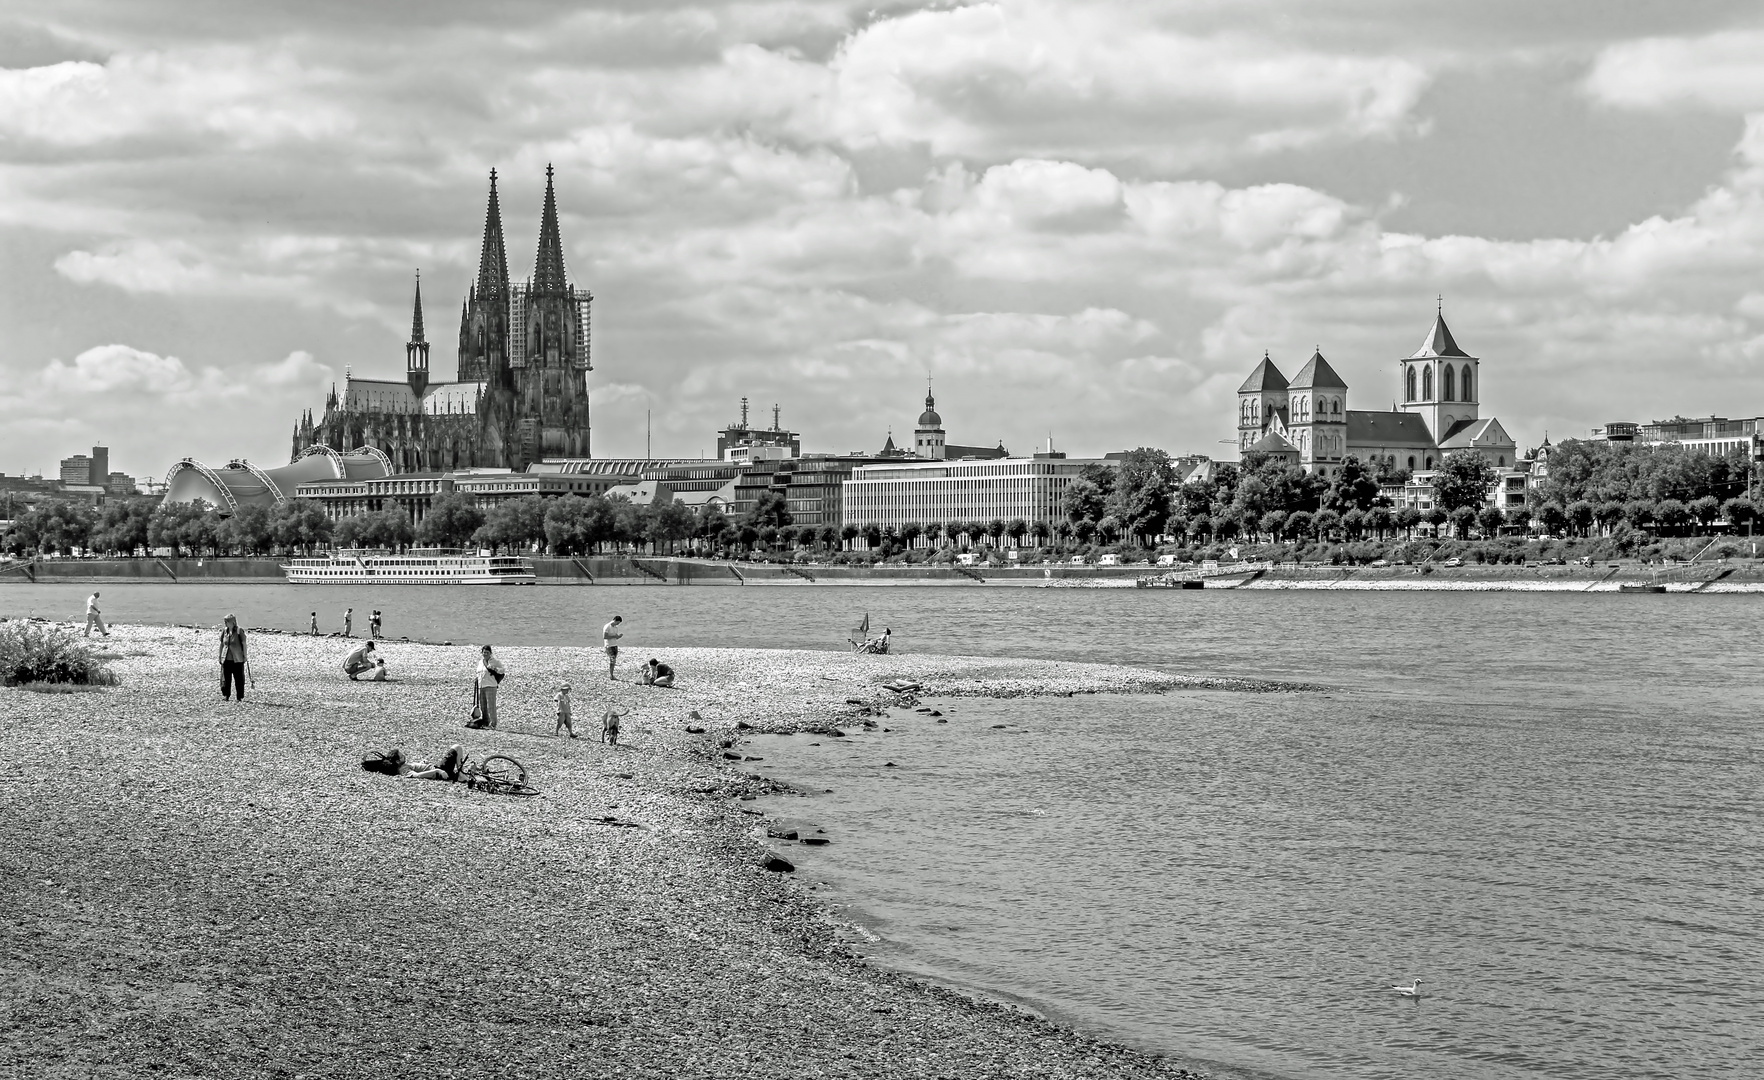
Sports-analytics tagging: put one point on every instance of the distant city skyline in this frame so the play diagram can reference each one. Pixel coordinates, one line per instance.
(1084, 219)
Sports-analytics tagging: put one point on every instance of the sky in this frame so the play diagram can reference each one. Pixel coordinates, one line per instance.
(1084, 221)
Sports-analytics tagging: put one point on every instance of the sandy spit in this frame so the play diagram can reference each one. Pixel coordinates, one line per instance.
(199, 888)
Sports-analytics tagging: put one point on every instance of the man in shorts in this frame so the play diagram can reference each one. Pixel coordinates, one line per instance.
(609, 637)
(94, 617)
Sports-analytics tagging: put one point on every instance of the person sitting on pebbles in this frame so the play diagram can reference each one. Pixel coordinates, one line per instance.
(448, 768)
(656, 673)
(362, 659)
(609, 728)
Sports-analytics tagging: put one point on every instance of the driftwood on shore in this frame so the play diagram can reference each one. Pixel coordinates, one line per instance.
(201, 888)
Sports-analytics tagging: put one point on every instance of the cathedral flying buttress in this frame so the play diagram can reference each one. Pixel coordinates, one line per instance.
(521, 394)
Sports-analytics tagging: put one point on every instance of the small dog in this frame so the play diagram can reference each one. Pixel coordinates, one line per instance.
(609, 728)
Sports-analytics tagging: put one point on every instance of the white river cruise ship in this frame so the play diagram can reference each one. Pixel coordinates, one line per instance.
(418, 566)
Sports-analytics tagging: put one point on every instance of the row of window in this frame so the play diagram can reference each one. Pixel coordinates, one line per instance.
(1456, 384)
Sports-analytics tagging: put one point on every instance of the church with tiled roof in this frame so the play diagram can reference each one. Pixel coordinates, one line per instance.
(520, 394)
(1307, 419)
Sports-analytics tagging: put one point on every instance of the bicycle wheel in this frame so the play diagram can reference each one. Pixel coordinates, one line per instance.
(501, 769)
(507, 787)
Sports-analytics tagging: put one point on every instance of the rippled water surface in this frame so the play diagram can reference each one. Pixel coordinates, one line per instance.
(1546, 807)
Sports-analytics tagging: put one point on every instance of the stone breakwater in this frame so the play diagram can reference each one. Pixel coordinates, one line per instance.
(212, 889)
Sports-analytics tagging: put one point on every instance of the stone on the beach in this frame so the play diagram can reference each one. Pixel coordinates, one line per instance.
(695, 731)
(732, 755)
(777, 863)
(816, 841)
(889, 765)
(943, 721)
(742, 725)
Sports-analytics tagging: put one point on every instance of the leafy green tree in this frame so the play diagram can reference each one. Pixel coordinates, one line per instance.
(849, 532)
(1300, 524)
(122, 526)
(1552, 517)
(711, 521)
(1461, 519)
(1463, 479)
(670, 522)
(1672, 514)
(389, 529)
(300, 525)
(1740, 512)
(770, 508)
(1407, 518)
(1490, 519)
(1016, 530)
(179, 526)
(1326, 522)
(566, 525)
(1274, 524)
(1706, 509)
(250, 531)
(1519, 518)
(1139, 498)
(1353, 487)
(1085, 501)
(451, 520)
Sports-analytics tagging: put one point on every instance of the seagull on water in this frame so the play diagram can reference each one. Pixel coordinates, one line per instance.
(1411, 990)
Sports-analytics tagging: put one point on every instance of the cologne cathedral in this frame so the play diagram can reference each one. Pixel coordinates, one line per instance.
(521, 393)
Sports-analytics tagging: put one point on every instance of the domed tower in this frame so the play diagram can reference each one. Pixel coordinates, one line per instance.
(928, 437)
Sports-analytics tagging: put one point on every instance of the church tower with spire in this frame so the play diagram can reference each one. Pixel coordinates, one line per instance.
(549, 349)
(483, 324)
(1440, 381)
(416, 350)
(522, 391)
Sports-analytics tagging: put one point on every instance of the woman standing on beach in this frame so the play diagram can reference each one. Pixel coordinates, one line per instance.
(490, 675)
(232, 658)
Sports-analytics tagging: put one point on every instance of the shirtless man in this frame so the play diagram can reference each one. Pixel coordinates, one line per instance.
(609, 637)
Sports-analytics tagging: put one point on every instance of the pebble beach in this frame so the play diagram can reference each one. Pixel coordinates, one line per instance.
(203, 888)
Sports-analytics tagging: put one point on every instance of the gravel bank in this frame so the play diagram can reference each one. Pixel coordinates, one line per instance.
(199, 888)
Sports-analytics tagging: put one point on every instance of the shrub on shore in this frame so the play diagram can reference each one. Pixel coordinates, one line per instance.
(37, 653)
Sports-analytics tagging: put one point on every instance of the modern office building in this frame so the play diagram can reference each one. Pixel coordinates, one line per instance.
(1714, 434)
(739, 442)
(936, 492)
(86, 471)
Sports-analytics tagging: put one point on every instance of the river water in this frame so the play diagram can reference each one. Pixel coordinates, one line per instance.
(1548, 808)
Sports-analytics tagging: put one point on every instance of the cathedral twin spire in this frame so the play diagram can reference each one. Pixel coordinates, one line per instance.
(548, 265)
(493, 263)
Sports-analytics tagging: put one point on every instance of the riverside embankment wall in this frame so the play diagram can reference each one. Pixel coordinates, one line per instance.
(625, 570)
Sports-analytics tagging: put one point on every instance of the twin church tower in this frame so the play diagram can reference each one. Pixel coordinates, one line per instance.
(521, 389)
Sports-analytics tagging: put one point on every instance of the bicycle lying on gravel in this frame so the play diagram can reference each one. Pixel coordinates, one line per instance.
(498, 774)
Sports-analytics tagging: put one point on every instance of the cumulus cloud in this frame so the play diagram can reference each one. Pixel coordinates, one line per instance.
(152, 408)
(1717, 71)
(1073, 216)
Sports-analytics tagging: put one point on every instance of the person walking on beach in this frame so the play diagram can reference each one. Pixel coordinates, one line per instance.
(490, 676)
(94, 617)
(374, 625)
(314, 630)
(563, 712)
(609, 637)
(232, 658)
(348, 622)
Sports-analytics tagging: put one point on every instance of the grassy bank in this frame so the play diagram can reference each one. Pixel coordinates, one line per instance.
(207, 889)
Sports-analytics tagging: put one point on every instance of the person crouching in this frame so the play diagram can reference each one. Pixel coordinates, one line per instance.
(656, 673)
(361, 660)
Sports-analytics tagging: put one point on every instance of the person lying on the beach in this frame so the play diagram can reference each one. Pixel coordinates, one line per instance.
(656, 673)
(446, 769)
(609, 728)
(363, 659)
